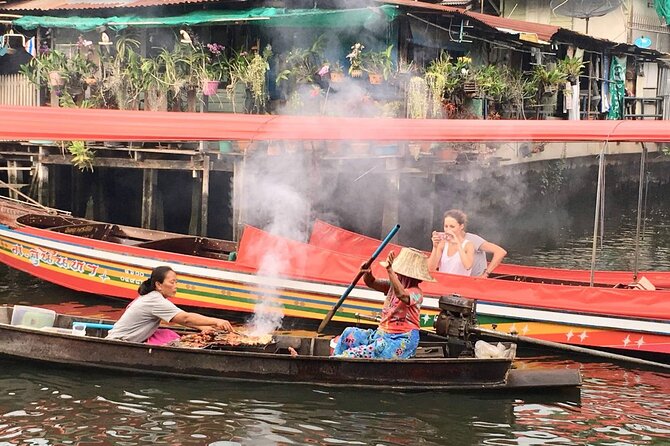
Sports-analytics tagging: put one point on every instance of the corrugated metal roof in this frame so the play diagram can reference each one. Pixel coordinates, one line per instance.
(543, 32)
(53, 5)
(525, 30)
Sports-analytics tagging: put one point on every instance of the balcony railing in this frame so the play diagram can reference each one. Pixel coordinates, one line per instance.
(16, 89)
(643, 108)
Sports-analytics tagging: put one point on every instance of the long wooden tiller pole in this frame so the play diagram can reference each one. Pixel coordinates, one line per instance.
(379, 249)
(568, 348)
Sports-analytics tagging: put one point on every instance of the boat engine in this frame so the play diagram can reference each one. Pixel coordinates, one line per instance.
(455, 321)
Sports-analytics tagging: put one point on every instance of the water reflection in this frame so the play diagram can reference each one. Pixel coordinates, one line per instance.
(615, 251)
(618, 406)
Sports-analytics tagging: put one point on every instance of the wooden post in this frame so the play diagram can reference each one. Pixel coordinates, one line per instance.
(54, 174)
(237, 198)
(42, 173)
(392, 202)
(196, 205)
(205, 196)
(12, 178)
(149, 181)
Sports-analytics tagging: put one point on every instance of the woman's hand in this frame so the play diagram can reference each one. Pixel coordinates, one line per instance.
(223, 324)
(454, 237)
(436, 238)
(389, 261)
(365, 268)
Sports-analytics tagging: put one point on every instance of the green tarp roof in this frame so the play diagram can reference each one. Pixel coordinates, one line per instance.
(663, 10)
(278, 17)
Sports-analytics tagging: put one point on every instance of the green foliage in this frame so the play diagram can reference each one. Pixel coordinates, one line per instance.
(417, 98)
(553, 177)
(491, 81)
(356, 59)
(545, 77)
(82, 156)
(250, 69)
(378, 62)
(73, 71)
(572, 67)
(519, 89)
(300, 65)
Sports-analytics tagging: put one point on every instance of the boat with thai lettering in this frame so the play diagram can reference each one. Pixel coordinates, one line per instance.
(42, 335)
(306, 280)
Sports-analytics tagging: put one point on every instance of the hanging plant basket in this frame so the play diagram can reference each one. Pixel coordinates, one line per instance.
(56, 79)
(375, 78)
(470, 87)
(356, 73)
(550, 89)
(336, 77)
(210, 88)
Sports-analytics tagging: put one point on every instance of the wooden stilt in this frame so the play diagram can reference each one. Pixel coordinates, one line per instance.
(237, 193)
(42, 173)
(12, 178)
(196, 190)
(392, 200)
(54, 174)
(205, 196)
(148, 195)
(430, 217)
(100, 197)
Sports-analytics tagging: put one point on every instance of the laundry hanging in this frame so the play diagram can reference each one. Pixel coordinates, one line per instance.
(617, 87)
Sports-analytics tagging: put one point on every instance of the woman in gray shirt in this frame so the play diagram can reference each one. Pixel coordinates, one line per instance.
(142, 317)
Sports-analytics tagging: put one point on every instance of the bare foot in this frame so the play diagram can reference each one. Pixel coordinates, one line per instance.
(292, 352)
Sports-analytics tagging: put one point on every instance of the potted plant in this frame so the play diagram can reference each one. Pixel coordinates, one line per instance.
(378, 65)
(417, 98)
(214, 68)
(336, 71)
(490, 81)
(123, 79)
(572, 67)
(549, 79)
(301, 66)
(519, 90)
(356, 60)
(159, 75)
(439, 78)
(48, 67)
(250, 69)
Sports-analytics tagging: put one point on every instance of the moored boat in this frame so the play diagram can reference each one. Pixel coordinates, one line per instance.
(52, 341)
(332, 237)
(307, 280)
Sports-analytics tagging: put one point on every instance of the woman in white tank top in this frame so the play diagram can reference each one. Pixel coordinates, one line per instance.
(452, 253)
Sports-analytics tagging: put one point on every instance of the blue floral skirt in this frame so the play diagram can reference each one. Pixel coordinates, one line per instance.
(376, 344)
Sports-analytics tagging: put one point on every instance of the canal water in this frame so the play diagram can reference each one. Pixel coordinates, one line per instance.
(618, 404)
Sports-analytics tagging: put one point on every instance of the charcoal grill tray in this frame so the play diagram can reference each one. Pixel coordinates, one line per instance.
(264, 348)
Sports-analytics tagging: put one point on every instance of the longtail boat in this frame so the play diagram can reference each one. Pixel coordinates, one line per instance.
(55, 342)
(306, 281)
(334, 238)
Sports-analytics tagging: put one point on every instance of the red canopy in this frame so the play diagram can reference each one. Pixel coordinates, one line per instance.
(47, 123)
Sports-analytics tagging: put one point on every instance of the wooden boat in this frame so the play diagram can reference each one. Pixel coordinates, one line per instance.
(307, 280)
(55, 344)
(334, 238)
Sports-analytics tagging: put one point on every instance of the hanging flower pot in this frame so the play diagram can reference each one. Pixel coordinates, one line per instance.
(469, 87)
(336, 77)
(56, 79)
(210, 88)
(375, 78)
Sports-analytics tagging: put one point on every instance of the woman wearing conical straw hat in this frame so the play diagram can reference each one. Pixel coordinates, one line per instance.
(397, 335)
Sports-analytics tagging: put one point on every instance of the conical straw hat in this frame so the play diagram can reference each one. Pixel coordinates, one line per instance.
(412, 263)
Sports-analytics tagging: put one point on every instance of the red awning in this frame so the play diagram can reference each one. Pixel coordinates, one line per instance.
(47, 123)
